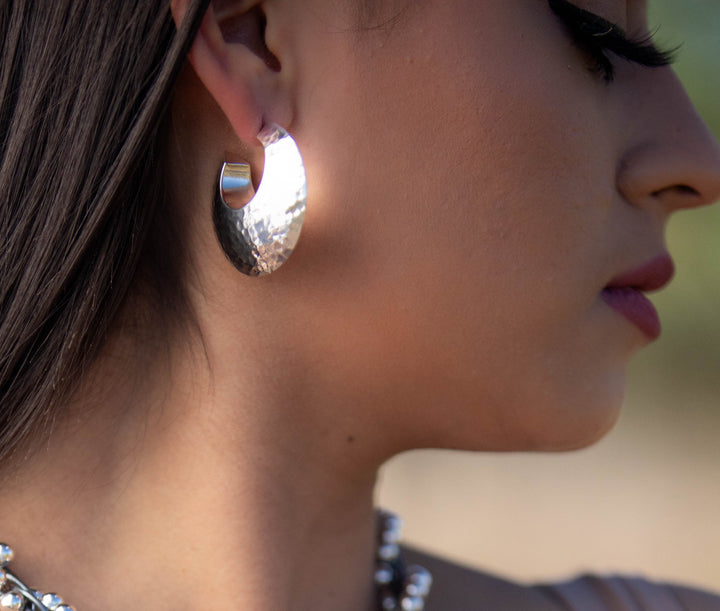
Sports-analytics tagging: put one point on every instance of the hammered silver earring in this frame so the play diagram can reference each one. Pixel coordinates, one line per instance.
(260, 234)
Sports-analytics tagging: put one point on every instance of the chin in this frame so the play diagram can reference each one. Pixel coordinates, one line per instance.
(583, 435)
(560, 422)
(541, 413)
(580, 424)
(560, 429)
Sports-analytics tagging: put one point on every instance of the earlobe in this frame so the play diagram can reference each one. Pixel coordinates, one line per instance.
(231, 59)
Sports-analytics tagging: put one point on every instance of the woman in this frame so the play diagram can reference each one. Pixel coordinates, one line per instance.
(487, 189)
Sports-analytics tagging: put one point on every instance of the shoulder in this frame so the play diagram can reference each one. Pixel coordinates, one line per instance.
(458, 588)
(627, 593)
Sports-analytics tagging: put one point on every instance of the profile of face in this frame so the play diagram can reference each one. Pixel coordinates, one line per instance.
(475, 187)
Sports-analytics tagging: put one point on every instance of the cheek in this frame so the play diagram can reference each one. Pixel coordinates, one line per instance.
(462, 233)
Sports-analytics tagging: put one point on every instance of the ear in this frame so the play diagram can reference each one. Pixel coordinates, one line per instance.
(231, 58)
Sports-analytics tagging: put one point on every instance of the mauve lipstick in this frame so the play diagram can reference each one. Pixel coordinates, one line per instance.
(624, 293)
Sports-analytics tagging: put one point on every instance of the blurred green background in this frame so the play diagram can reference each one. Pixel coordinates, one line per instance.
(646, 499)
(690, 348)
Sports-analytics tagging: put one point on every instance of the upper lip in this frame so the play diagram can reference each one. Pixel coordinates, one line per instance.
(649, 276)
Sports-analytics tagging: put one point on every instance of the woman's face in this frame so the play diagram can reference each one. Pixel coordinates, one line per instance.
(474, 187)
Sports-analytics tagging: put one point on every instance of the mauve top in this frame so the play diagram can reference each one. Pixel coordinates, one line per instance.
(594, 593)
(458, 588)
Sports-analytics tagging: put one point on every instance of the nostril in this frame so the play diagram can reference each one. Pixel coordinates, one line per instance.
(672, 175)
(686, 190)
(682, 190)
(680, 196)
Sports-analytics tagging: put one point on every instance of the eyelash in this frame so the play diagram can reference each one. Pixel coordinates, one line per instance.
(598, 36)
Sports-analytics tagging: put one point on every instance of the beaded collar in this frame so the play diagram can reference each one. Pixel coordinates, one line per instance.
(398, 587)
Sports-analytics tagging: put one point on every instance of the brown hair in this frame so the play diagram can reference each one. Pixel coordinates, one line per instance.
(85, 87)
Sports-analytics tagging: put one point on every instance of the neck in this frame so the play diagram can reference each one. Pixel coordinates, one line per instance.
(191, 494)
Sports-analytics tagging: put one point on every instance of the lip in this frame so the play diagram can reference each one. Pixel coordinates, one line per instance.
(625, 293)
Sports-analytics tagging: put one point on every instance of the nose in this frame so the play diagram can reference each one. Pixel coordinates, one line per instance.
(673, 160)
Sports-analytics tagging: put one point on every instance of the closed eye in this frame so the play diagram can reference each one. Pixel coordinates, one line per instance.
(598, 36)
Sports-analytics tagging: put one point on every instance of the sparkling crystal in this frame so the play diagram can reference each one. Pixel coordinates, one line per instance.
(392, 528)
(419, 581)
(11, 601)
(390, 536)
(64, 608)
(388, 552)
(384, 574)
(51, 601)
(412, 603)
(6, 554)
(389, 603)
(3, 578)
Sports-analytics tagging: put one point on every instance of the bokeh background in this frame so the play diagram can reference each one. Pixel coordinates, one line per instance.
(646, 499)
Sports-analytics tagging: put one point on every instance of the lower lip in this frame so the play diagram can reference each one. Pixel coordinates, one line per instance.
(634, 306)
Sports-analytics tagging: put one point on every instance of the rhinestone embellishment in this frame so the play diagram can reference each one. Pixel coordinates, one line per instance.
(399, 588)
(16, 596)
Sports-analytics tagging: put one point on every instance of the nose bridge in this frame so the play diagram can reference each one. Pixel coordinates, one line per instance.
(671, 157)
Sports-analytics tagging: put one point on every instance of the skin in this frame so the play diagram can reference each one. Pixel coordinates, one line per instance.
(472, 189)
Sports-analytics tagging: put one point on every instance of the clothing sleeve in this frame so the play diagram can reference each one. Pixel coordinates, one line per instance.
(593, 593)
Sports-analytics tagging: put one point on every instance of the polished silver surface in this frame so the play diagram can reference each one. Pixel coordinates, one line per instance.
(15, 595)
(6, 554)
(51, 601)
(236, 185)
(418, 581)
(389, 603)
(384, 574)
(11, 601)
(388, 551)
(259, 232)
(412, 603)
(392, 529)
(399, 588)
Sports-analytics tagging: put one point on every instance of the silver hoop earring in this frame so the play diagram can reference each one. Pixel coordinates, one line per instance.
(260, 236)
